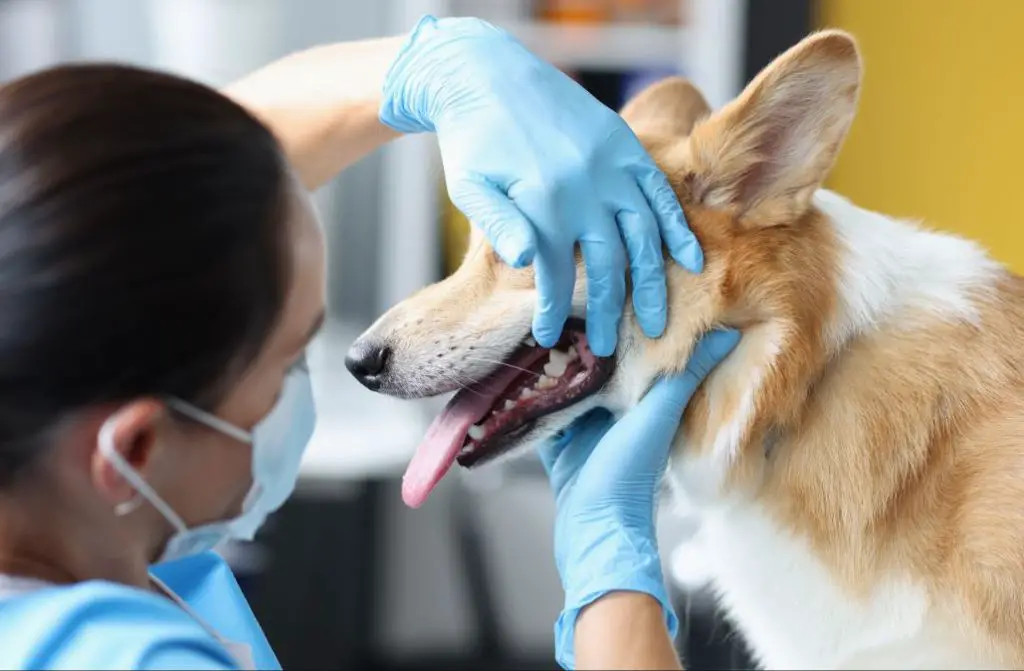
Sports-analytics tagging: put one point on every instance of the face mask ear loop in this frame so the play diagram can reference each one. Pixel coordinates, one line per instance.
(212, 421)
(110, 453)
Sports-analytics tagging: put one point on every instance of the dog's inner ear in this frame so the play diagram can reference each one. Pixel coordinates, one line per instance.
(666, 109)
(765, 153)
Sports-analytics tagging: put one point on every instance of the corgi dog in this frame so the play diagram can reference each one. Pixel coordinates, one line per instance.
(856, 464)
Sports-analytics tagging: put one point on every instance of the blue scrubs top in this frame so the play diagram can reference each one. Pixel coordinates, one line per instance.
(103, 625)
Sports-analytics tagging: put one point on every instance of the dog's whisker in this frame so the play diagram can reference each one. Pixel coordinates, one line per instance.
(455, 377)
(462, 378)
(469, 389)
(502, 363)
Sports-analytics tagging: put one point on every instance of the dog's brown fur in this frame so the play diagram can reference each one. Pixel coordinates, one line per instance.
(893, 449)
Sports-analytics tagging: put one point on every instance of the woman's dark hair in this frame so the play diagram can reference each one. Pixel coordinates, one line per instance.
(142, 224)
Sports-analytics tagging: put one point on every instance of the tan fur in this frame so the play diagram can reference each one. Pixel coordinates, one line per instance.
(897, 451)
(666, 110)
(923, 473)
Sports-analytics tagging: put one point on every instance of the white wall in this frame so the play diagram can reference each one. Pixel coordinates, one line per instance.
(30, 36)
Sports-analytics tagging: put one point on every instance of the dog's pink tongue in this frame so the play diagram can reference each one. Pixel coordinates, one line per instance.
(447, 434)
(440, 446)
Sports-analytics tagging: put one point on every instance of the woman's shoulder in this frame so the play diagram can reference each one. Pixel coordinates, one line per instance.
(99, 624)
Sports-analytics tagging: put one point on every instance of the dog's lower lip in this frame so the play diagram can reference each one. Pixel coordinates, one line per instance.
(516, 411)
(496, 446)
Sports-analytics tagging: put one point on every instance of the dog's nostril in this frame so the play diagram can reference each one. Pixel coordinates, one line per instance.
(367, 360)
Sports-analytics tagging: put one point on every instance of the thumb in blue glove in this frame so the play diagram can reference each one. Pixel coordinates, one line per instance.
(606, 475)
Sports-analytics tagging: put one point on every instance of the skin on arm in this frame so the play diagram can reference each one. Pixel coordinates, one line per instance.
(624, 630)
(323, 104)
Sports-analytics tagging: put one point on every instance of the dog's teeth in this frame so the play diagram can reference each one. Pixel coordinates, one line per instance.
(510, 405)
(580, 377)
(531, 342)
(527, 393)
(557, 363)
(572, 353)
(546, 382)
(476, 432)
(552, 369)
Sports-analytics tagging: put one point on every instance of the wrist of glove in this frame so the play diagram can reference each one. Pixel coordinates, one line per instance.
(605, 538)
(410, 102)
(614, 557)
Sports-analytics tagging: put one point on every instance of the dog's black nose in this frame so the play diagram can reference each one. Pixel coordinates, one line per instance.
(367, 361)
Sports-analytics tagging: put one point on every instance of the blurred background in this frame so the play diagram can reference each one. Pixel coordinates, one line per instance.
(345, 574)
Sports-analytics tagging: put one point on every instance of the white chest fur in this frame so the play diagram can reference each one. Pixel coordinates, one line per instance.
(783, 600)
(793, 615)
(791, 611)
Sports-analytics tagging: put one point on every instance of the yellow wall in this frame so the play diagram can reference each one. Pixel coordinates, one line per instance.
(940, 132)
(454, 232)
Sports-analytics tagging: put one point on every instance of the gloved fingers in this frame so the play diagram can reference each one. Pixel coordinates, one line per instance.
(667, 398)
(673, 392)
(507, 229)
(669, 395)
(675, 232)
(636, 447)
(549, 450)
(555, 277)
(587, 432)
(708, 353)
(640, 232)
(604, 261)
(563, 456)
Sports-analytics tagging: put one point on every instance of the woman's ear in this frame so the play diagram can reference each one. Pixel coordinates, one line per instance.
(131, 432)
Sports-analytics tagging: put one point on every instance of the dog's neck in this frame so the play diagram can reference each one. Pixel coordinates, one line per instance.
(889, 272)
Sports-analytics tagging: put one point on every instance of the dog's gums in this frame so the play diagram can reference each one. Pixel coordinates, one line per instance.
(484, 420)
(548, 380)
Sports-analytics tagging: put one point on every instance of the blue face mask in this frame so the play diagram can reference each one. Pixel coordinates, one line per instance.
(278, 443)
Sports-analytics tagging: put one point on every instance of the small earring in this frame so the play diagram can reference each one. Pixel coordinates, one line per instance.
(128, 507)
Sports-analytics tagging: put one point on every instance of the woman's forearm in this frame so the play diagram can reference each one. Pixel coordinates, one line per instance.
(624, 630)
(322, 104)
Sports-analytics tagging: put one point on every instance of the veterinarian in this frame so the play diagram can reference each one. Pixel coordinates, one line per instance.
(162, 271)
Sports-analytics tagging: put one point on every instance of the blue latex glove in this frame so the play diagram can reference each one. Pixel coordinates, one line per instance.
(540, 165)
(606, 476)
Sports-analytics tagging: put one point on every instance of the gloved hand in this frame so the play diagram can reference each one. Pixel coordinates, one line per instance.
(605, 476)
(540, 165)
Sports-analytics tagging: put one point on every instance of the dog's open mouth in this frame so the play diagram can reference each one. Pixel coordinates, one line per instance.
(486, 419)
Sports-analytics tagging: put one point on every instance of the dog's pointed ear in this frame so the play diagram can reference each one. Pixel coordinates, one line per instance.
(763, 156)
(667, 108)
